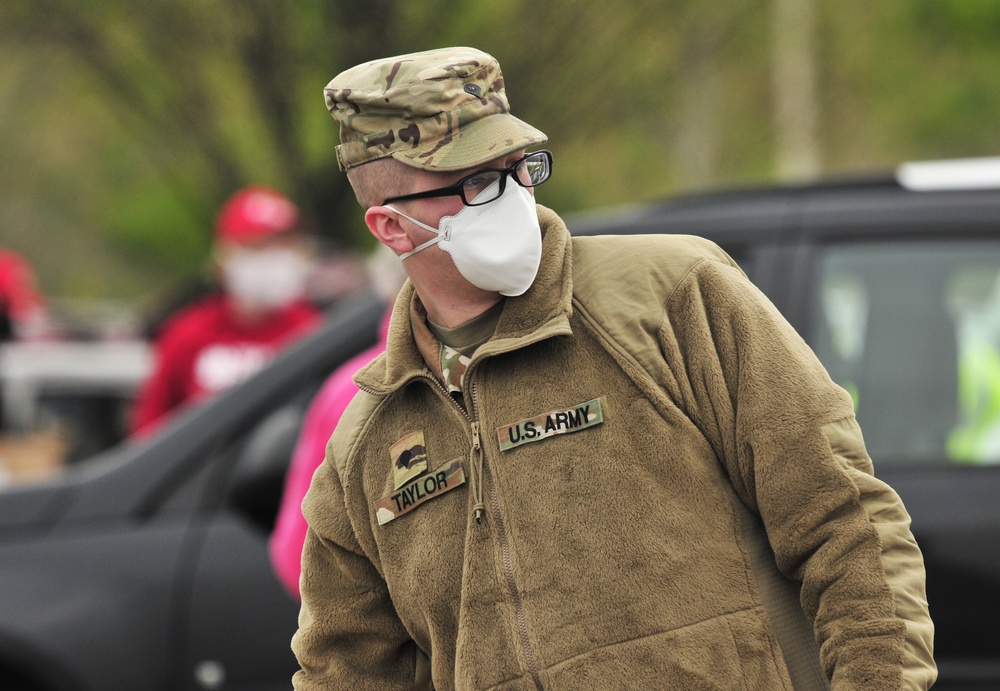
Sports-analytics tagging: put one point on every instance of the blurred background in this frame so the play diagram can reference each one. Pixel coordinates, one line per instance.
(124, 126)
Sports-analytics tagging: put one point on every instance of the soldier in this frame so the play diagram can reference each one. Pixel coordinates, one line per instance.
(581, 462)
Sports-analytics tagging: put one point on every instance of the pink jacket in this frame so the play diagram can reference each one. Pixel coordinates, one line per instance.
(285, 544)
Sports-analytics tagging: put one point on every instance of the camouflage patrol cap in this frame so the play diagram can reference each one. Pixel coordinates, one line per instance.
(440, 110)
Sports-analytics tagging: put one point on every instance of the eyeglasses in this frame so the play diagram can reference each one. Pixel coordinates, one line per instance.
(532, 170)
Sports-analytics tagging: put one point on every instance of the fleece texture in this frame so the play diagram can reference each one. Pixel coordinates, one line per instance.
(610, 555)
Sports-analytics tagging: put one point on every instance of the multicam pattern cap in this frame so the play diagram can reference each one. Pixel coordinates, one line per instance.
(440, 110)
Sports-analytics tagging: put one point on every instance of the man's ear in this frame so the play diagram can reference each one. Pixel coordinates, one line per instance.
(384, 224)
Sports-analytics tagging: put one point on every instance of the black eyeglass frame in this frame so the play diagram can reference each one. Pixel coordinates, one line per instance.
(458, 189)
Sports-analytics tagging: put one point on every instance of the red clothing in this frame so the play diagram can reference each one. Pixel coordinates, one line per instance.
(203, 350)
(20, 301)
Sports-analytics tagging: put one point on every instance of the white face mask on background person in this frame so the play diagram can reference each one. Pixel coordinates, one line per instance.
(495, 246)
(269, 278)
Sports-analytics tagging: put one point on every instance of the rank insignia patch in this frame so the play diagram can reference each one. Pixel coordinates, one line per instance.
(548, 425)
(409, 458)
(419, 490)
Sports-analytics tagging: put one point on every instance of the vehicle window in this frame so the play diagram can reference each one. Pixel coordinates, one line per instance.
(912, 331)
(257, 481)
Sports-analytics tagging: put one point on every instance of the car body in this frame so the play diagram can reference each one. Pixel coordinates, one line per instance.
(147, 567)
(65, 400)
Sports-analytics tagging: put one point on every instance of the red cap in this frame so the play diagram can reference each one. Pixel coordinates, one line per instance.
(254, 213)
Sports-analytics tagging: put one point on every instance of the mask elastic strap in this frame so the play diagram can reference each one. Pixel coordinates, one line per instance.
(425, 245)
(422, 246)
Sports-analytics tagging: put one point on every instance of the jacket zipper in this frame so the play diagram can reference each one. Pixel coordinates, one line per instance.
(505, 557)
(476, 457)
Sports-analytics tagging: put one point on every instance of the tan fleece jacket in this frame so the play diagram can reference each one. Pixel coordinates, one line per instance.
(639, 389)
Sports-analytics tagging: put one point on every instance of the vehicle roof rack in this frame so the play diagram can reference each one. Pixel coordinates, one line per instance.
(951, 174)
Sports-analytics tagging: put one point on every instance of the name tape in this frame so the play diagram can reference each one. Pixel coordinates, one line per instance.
(548, 425)
(419, 490)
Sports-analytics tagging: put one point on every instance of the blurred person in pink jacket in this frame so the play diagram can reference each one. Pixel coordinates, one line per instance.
(285, 544)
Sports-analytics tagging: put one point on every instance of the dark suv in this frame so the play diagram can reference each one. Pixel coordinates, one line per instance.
(147, 567)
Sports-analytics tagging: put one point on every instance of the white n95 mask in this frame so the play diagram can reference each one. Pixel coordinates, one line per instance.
(495, 246)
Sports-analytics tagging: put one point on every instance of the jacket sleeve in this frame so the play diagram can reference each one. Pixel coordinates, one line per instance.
(793, 450)
(349, 635)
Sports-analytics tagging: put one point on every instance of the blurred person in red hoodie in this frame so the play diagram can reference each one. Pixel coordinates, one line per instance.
(23, 310)
(263, 259)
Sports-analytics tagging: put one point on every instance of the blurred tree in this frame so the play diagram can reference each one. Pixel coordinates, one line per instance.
(197, 98)
(796, 109)
(124, 125)
(176, 105)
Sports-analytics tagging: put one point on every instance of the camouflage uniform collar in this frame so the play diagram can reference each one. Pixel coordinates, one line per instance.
(542, 312)
(453, 367)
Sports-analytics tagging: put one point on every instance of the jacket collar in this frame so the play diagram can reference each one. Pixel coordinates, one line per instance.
(541, 312)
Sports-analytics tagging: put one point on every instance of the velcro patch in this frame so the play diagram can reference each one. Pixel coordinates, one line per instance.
(548, 425)
(409, 458)
(416, 492)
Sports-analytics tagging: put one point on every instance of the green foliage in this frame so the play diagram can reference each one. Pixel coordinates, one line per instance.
(910, 80)
(123, 128)
(151, 222)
